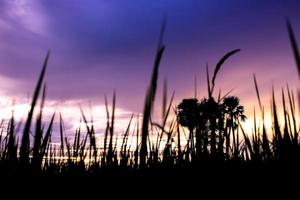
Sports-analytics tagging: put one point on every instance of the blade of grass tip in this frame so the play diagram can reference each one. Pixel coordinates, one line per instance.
(61, 129)
(289, 128)
(286, 132)
(291, 99)
(5, 140)
(294, 104)
(68, 148)
(89, 132)
(107, 125)
(294, 44)
(76, 143)
(124, 142)
(254, 122)
(162, 33)
(150, 96)
(113, 114)
(132, 136)
(164, 102)
(275, 117)
(93, 138)
(295, 110)
(78, 139)
(110, 147)
(84, 120)
(43, 101)
(171, 128)
(219, 64)
(47, 135)
(11, 146)
(75, 146)
(25, 143)
(82, 150)
(226, 94)
(208, 82)
(257, 92)
(292, 107)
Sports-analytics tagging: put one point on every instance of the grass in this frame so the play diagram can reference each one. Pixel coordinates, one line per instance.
(215, 138)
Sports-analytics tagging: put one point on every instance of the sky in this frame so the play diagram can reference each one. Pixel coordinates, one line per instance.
(98, 46)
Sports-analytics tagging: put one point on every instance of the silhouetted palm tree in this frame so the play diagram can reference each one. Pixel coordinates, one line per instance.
(234, 111)
(188, 116)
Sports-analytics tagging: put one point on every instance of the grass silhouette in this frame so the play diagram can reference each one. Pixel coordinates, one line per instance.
(214, 140)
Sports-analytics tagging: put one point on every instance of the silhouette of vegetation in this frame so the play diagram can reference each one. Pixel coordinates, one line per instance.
(216, 136)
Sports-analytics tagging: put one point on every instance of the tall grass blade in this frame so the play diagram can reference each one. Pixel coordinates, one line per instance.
(150, 96)
(257, 92)
(218, 66)
(294, 44)
(25, 143)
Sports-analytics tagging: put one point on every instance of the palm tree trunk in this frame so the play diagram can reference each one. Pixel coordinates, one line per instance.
(213, 136)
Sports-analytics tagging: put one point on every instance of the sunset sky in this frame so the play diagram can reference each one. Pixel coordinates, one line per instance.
(98, 46)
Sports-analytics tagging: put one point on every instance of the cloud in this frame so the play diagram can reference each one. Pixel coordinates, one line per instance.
(9, 85)
(70, 112)
(27, 14)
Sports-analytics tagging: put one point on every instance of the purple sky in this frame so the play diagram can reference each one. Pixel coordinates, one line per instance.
(99, 45)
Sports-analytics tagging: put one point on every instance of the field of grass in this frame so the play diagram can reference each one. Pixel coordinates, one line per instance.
(206, 134)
